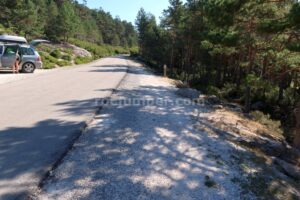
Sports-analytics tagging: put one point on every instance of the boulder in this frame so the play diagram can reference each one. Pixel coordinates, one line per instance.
(213, 100)
(77, 51)
(218, 107)
(188, 93)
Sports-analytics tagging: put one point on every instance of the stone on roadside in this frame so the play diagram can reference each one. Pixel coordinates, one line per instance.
(212, 100)
(188, 93)
(218, 107)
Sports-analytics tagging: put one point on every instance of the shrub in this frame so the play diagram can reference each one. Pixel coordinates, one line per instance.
(82, 60)
(50, 61)
(99, 51)
(48, 65)
(229, 91)
(56, 53)
(67, 57)
(134, 51)
(62, 63)
(265, 119)
(212, 90)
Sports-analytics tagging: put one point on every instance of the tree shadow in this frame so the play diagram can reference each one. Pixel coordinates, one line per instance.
(30, 152)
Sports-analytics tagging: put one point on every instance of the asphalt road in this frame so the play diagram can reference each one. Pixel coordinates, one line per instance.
(41, 114)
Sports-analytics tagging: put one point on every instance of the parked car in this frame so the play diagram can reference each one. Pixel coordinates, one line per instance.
(30, 59)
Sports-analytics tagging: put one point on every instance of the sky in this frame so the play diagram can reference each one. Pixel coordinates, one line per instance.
(128, 9)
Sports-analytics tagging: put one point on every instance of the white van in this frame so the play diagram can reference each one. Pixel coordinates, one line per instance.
(13, 39)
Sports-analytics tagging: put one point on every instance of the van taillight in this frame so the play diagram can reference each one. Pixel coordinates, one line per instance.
(39, 58)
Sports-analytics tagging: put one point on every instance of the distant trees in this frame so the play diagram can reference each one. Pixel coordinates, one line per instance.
(60, 20)
(243, 50)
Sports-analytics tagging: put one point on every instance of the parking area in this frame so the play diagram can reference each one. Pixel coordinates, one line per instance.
(8, 76)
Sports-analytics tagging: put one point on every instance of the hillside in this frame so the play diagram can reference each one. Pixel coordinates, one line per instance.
(59, 20)
(76, 52)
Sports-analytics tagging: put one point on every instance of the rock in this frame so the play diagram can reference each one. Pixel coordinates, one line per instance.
(218, 107)
(81, 52)
(289, 169)
(188, 93)
(77, 50)
(212, 100)
(234, 107)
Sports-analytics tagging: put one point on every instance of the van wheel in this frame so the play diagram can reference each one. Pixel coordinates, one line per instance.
(28, 68)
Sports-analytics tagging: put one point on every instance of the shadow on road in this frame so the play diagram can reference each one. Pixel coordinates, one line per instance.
(18, 147)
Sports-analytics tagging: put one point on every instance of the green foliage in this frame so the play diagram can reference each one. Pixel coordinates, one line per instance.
(59, 20)
(100, 51)
(63, 63)
(56, 54)
(82, 60)
(273, 125)
(50, 61)
(236, 49)
(67, 57)
(134, 51)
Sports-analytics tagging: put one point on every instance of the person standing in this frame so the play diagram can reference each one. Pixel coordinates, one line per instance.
(17, 62)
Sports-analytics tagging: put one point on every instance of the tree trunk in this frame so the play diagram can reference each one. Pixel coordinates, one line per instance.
(297, 136)
(219, 72)
(248, 99)
(280, 94)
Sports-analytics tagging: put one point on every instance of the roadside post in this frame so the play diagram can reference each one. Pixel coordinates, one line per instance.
(165, 70)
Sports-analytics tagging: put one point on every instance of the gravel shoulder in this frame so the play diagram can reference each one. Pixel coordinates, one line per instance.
(149, 148)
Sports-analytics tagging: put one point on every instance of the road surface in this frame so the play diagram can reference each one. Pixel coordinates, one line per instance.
(41, 114)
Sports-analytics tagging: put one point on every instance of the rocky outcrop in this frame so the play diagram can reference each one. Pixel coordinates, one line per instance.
(77, 51)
